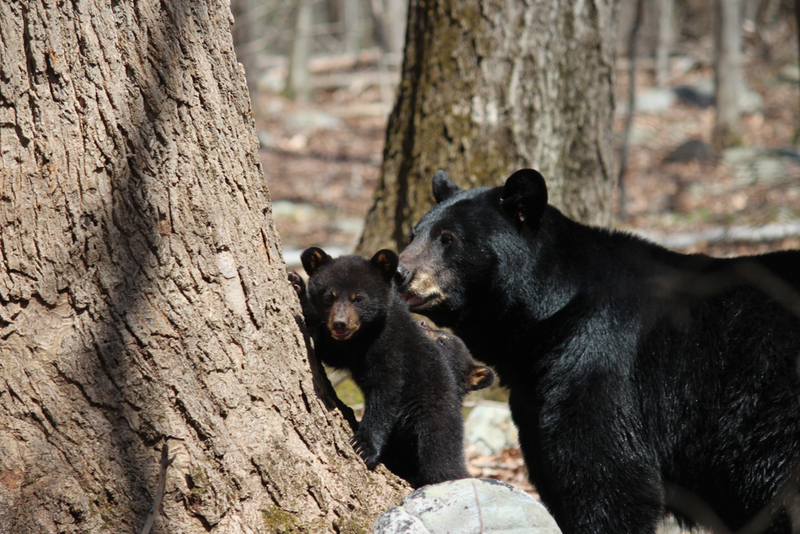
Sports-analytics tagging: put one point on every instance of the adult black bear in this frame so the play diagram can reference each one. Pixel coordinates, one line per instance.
(412, 418)
(640, 379)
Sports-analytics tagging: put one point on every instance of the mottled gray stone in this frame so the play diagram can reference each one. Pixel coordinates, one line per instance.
(489, 429)
(760, 165)
(790, 73)
(655, 100)
(749, 100)
(649, 101)
(312, 120)
(467, 506)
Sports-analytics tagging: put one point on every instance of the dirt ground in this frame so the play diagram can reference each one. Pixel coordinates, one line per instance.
(322, 160)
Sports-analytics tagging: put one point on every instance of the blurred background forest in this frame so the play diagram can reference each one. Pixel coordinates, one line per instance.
(322, 76)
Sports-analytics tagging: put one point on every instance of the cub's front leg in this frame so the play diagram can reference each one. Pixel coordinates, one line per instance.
(381, 409)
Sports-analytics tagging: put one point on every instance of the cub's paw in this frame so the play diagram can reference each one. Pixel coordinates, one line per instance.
(365, 450)
(297, 283)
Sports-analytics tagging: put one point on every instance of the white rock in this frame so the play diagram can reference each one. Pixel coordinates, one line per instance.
(465, 507)
(489, 429)
(312, 120)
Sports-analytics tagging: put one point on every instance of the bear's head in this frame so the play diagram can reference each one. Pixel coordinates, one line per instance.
(350, 292)
(472, 376)
(457, 247)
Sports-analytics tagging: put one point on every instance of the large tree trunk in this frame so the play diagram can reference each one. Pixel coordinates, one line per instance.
(143, 296)
(492, 86)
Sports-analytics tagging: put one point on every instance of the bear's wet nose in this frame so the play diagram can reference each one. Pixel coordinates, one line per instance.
(402, 276)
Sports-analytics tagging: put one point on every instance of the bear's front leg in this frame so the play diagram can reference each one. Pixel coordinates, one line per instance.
(310, 316)
(365, 450)
(587, 456)
(440, 439)
(380, 414)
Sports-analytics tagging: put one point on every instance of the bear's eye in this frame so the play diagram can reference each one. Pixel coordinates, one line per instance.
(328, 298)
(358, 299)
(446, 238)
(442, 342)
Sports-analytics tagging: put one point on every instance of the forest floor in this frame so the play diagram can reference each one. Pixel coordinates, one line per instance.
(322, 161)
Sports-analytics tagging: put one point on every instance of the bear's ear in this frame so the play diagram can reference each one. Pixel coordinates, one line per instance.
(525, 197)
(480, 377)
(313, 258)
(443, 186)
(386, 261)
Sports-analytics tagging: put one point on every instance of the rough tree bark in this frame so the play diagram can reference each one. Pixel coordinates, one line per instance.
(491, 86)
(143, 296)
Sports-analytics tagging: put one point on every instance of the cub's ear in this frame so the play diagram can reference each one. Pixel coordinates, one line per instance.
(313, 258)
(443, 186)
(386, 261)
(525, 197)
(480, 377)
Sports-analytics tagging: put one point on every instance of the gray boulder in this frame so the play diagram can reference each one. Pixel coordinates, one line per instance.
(467, 506)
(489, 429)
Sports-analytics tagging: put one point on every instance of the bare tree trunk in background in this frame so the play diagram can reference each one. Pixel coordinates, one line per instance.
(298, 86)
(244, 33)
(492, 86)
(633, 54)
(665, 37)
(390, 18)
(727, 127)
(143, 296)
(351, 14)
(797, 26)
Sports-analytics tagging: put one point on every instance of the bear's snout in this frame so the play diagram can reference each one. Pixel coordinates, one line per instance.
(403, 276)
(343, 321)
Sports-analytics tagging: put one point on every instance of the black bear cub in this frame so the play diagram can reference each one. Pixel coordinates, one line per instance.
(412, 418)
(469, 375)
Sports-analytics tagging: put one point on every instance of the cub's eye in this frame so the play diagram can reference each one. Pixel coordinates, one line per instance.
(442, 342)
(358, 299)
(328, 298)
(446, 238)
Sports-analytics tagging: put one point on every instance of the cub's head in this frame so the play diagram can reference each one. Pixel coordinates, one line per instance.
(473, 377)
(458, 247)
(349, 292)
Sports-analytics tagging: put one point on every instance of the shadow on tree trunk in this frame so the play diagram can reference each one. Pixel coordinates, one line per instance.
(144, 297)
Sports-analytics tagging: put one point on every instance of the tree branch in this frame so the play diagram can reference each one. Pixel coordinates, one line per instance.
(726, 234)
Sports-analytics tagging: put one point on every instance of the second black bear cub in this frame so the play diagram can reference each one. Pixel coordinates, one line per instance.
(469, 375)
(412, 418)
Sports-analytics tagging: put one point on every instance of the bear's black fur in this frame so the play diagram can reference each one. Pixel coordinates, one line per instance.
(641, 380)
(412, 418)
(469, 375)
